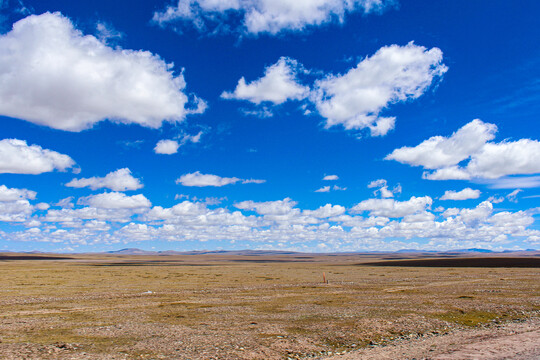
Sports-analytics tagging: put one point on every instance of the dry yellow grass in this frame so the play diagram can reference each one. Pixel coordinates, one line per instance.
(242, 307)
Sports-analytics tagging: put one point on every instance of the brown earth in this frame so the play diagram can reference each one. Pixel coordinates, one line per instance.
(265, 307)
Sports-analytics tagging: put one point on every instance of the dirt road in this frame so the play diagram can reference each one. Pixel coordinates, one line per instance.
(516, 341)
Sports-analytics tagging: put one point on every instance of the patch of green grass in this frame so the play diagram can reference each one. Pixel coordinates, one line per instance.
(467, 318)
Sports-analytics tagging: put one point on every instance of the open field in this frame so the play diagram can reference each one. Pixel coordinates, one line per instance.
(252, 307)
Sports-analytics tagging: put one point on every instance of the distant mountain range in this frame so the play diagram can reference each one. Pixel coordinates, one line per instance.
(135, 251)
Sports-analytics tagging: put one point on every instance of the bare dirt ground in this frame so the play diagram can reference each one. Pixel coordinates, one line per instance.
(267, 307)
(513, 341)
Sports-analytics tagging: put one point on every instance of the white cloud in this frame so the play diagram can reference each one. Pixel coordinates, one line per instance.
(185, 208)
(505, 218)
(323, 189)
(15, 211)
(167, 147)
(279, 207)
(107, 33)
(377, 183)
(515, 182)
(115, 200)
(383, 190)
(506, 158)
(263, 16)
(495, 199)
(74, 218)
(170, 147)
(201, 180)
(16, 157)
(119, 180)
(450, 212)
(42, 206)
(392, 208)
(331, 177)
(53, 75)
(262, 113)
(278, 85)
(476, 215)
(13, 194)
(14, 205)
(192, 138)
(449, 173)
(393, 74)
(464, 194)
(275, 224)
(329, 188)
(487, 160)
(253, 181)
(513, 195)
(442, 152)
(66, 203)
(326, 211)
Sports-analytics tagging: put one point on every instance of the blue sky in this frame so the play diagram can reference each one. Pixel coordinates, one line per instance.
(324, 125)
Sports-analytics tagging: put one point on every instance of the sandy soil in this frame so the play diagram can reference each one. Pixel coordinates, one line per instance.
(268, 308)
(516, 341)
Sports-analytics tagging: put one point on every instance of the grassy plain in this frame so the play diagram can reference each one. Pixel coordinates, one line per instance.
(243, 307)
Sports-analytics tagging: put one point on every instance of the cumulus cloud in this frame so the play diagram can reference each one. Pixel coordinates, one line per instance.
(66, 203)
(273, 223)
(201, 180)
(506, 158)
(477, 215)
(486, 160)
(278, 85)
(119, 180)
(185, 208)
(42, 206)
(115, 200)
(393, 74)
(442, 152)
(17, 157)
(323, 189)
(356, 99)
(167, 147)
(262, 16)
(329, 188)
(170, 147)
(13, 194)
(495, 199)
(464, 194)
(278, 207)
(14, 204)
(392, 208)
(53, 75)
(383, 190)
(326, 211)
(15, 211)
(331, 177)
